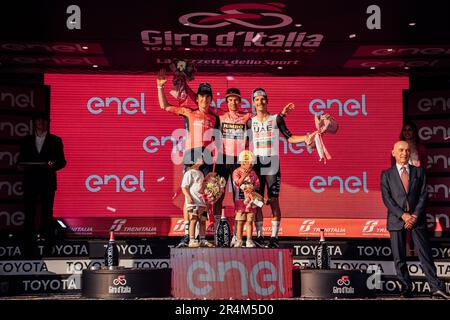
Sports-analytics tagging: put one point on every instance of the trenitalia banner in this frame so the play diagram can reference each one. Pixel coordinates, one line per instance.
(122, 149)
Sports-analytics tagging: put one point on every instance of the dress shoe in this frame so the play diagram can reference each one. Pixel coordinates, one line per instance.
(406, 294)
(440, 294)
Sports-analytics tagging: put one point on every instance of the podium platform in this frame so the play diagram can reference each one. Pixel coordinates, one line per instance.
(125, 283)
(237, 273)
(334, 283)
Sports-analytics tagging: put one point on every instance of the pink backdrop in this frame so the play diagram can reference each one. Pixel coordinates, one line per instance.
(135, 140)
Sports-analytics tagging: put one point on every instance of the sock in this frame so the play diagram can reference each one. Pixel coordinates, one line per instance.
(275, 227)
(259, 228)
(186, 227)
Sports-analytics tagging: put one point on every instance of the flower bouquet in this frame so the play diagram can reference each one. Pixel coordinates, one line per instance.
(183, 71)
(252, 199)
(213, 188)
(324, 124)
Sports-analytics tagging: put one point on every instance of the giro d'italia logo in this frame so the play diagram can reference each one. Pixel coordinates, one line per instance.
(252, 15)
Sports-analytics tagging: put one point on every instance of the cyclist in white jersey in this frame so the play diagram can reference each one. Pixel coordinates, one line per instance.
(265, 134)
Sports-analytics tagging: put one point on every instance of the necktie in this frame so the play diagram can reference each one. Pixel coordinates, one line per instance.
(405, 178)
(405, 181)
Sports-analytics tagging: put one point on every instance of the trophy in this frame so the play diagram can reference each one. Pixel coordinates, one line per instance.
(183, 71)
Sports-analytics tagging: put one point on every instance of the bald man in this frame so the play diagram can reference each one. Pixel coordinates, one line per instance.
(404, 192)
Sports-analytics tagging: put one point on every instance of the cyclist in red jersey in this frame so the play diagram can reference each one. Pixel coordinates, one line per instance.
(200, 125)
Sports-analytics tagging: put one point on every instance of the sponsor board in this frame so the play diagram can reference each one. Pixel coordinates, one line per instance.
(438, 219)
(28, 284)
(290, 227)
(11, 186)
(23, 99)
(12, 215)
(72, 266)
(402, 51)
(396, 63)
(391, 285)
(88, 249)
(438, 160)
(52, 47)
(53, 60)
(14, 128)
(384, 267)
(434, 131)
(8, 156)
(358, 250)
(438, 188)
(429, 103)
(136, 249)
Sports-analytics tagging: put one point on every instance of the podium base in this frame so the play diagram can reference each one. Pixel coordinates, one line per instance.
(124, 283)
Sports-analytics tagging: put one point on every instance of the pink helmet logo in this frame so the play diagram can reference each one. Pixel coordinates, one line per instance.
(231, 14)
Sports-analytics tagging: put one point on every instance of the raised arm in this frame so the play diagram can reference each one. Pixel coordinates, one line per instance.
(163, 103)
(160, 82)
(287, 108)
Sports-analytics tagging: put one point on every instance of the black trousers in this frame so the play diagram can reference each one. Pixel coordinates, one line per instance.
(422, 244)
(39, 213)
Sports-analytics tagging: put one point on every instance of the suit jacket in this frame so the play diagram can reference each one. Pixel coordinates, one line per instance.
(42, 177)
(395, 196)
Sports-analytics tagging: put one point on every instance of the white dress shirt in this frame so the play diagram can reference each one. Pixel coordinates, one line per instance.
(40, 141)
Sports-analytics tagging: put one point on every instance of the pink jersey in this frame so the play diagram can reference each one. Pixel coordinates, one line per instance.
(233, 128)
(198, 124)
(251, 178)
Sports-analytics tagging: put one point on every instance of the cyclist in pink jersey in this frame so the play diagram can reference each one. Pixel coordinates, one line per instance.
(264, 131)
(233, 128)
(200, 125)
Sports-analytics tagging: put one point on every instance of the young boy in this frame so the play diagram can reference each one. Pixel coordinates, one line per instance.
(192, 187)
(245, 181)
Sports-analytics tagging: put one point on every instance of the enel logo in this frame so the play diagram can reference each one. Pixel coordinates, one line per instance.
(129, 105)
(351, 107)
(352, 184)
(128, 183)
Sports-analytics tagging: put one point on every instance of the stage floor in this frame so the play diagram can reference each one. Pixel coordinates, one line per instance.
(80, 297)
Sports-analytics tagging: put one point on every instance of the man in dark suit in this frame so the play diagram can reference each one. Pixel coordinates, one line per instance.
(404, 192)
(41, 155)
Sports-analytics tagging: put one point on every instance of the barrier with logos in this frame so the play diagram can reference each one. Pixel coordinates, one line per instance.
(57, 269)
(18, 104)
(123, 283)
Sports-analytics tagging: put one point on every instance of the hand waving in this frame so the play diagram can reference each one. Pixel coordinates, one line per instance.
(161, 78)
(288, 108)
